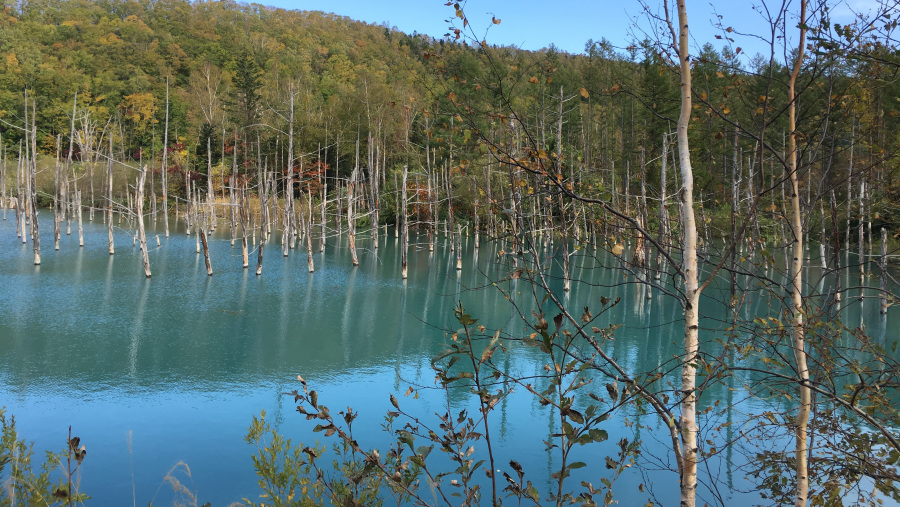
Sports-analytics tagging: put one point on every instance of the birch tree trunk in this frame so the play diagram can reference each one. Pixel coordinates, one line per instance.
(691, 286)
(797, 327)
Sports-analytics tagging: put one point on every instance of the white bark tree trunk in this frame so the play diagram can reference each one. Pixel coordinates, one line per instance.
(142, 235)
(801, 449)
(691, 287)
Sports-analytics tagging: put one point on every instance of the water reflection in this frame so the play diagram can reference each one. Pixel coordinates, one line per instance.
(187, 359)
(137, 330)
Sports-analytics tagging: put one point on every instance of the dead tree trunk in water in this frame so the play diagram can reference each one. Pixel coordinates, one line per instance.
(209, 270)
(458, 247)
(165, 167)
(195, 207)
(309, 245)
(3, 201)
(74, 178)
(663, 211)
(883, 266)
(376, 190)
(56, 203)
(404, 246)
(351, 204)
(109, 199)
(835, 255)
(211, 220)
(20, 215)
(139, 205)
(263, 226)
(35, 233)
(233, 190)
(243, 214)
(78, 212)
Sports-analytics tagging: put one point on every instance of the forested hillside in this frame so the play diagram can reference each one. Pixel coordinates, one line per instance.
(233, 71)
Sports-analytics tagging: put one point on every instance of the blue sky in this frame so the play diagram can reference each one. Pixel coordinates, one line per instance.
(535, 24)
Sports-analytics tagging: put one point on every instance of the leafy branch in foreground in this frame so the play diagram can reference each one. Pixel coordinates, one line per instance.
(412, 473)
(22, 486)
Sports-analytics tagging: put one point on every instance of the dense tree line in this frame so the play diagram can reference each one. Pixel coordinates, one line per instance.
(231, 69)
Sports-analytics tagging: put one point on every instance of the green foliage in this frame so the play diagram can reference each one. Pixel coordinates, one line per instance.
(472, 364)
(283, 469)
(23, 485)
(298, 475)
